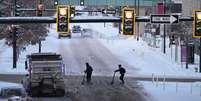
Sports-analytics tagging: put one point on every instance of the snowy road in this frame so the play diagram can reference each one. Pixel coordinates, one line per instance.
(79, 51)
(100, 90)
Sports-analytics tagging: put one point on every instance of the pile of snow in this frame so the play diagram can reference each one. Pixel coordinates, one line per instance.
(173, 91)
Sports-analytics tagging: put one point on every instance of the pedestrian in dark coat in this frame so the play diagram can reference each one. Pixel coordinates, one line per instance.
(88, 72)
(122, 72)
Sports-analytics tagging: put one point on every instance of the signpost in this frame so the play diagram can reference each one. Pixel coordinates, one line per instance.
(108, 11)
(164, 19)
(183, 53)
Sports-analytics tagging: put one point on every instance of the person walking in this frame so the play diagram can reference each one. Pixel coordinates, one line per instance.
(88, 72)
(122, 72)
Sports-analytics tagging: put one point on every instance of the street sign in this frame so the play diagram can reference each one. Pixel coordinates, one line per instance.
(164, 19)
(108, 11)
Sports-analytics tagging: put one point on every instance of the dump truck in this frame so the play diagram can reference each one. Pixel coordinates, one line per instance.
(45, 75)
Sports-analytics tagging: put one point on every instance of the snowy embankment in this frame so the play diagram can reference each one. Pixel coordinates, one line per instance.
(172, 91)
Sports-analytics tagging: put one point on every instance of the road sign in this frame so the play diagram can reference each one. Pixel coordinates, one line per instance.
(108, 11)
(164, 19)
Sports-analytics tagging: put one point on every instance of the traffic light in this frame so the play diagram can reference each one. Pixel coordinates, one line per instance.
(81, 2)
(72, 10)
(56, 2)
(40, 8)
(128, 21)
(63, 19)
(17, 12)
(197, 24)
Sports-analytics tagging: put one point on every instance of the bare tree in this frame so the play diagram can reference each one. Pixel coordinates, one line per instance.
(27, 33)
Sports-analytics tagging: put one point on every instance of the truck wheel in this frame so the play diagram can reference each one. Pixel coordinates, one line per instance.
(60, 92)
(34, 92)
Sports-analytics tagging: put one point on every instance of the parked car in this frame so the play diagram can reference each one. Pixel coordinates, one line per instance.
(18, 98)
(12, 91)
(76, 29)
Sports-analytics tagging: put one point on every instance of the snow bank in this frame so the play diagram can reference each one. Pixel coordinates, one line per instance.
(173, 91)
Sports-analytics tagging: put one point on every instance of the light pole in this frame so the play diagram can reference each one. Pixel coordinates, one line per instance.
(14, 38)
(138, 25)
(164, 35)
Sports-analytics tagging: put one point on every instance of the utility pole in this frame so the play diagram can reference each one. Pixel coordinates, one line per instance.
(120, 14)
(14, 47)
(14, 38)
(135, 12)
(164, 35)
(187, 57)
(40, 8)
(138, 24)
(200, 56)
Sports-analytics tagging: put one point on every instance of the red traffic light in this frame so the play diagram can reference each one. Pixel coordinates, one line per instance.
(40, 7)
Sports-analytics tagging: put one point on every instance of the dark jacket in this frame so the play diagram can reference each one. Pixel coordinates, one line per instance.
(121, 70)
(89, 69)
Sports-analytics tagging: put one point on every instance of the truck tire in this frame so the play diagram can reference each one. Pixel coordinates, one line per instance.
(60, 92)
(34, 92)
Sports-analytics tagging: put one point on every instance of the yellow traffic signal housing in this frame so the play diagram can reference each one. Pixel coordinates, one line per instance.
(63, 19)
(197, 24)
(128, 21)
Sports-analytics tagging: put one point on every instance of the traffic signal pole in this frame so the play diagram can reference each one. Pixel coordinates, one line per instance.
(39, 13)
(164, 35)
(40, 44)
(14, 47)
(14, 39)
(200, 57)
(138, 24)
